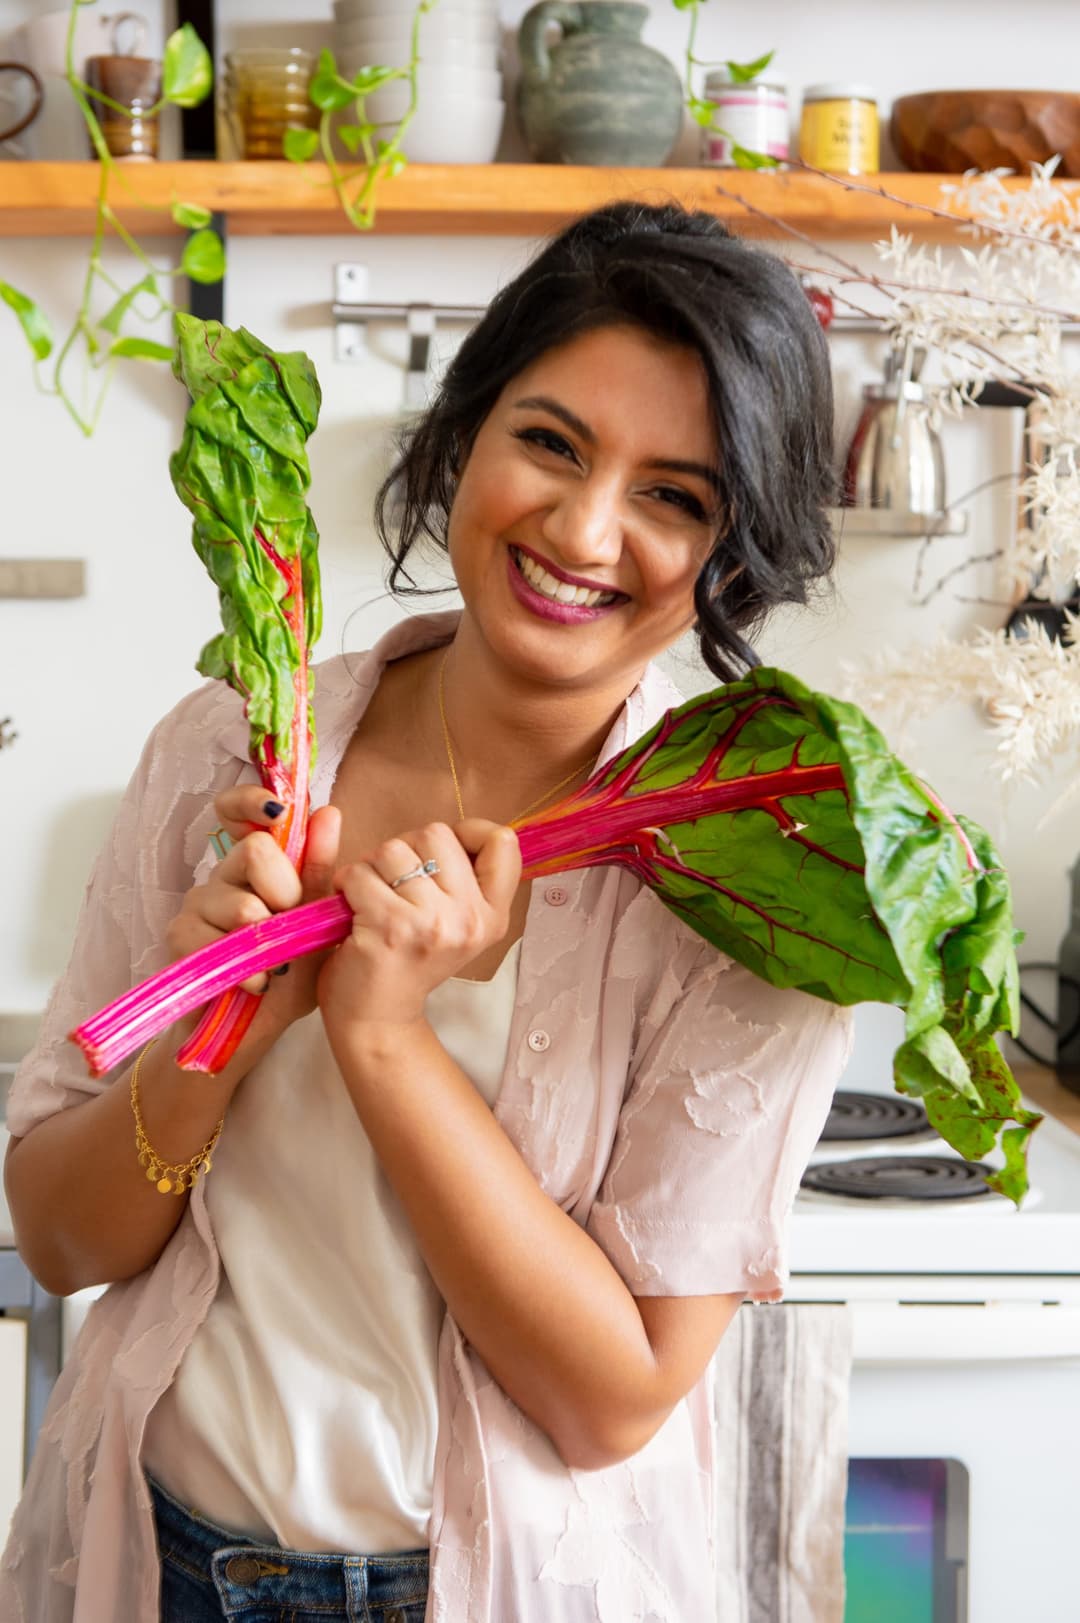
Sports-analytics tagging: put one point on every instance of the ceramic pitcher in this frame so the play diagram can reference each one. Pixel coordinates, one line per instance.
(598, 95)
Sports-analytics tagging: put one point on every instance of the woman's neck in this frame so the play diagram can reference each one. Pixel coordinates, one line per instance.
(511, 739)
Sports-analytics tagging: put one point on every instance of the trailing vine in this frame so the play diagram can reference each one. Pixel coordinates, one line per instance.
(334, 95)
(102, 336)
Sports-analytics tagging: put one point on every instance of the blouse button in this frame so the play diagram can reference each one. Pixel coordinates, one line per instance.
(555, 895)
(538, 1041)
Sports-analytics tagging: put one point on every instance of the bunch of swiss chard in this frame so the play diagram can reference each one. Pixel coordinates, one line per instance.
(242, 470)
(773, 820)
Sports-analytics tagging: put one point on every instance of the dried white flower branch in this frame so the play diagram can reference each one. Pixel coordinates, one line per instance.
(994, 312)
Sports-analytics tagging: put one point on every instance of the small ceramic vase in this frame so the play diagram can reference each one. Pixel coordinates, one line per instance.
(598, 96)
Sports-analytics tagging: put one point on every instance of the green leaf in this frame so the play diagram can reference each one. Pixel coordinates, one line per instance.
(328, 90)
(242, 471)
(300, 145)
(31, 318)
(352, 135)
(702, 112)
(743, 72)
(369, 79)
(187, 71)
(111, 321)
(745, 159)
(777, 824)
(192, 216)
(141, 349)
(203, 258)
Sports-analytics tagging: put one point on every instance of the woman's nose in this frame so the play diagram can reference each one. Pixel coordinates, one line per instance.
(585, 524)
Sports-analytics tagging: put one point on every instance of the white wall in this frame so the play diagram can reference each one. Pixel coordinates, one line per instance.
(84, 680)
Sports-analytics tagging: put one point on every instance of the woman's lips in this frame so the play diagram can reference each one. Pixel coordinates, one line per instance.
(566, 614)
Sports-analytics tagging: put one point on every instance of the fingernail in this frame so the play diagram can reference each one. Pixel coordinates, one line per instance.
(273, 808)
(282, 969)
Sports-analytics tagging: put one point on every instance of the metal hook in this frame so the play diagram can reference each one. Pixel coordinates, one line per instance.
(420, 320)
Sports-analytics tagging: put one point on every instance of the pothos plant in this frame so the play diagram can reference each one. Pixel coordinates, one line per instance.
(704, 112)
(342, 104)
(100, 331)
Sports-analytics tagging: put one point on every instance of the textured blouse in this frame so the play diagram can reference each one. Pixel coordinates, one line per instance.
(304, 1414)
(665, 1097)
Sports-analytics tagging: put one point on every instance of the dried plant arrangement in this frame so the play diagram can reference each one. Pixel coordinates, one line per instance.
(994, 309)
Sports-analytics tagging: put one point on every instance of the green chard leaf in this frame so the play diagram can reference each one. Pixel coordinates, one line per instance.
(778, 825)
(242, 470)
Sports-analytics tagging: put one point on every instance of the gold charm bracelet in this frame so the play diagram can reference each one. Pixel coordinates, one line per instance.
(169, 1178)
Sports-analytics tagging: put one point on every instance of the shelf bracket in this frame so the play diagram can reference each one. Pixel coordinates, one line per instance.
(352, 311)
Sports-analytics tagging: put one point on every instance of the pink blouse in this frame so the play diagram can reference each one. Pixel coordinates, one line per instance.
(664, 1096)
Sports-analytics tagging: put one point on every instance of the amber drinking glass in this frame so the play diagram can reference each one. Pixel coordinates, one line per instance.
(266, 94)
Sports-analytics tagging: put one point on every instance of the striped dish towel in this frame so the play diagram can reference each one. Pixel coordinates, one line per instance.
(780, 1398)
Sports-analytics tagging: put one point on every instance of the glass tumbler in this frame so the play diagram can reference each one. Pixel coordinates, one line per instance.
(266, 94)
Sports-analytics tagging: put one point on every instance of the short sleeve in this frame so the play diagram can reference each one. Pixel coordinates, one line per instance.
(138, 882)
(726, 1101)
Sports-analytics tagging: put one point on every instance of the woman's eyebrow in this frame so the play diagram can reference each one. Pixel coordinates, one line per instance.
(544, 402)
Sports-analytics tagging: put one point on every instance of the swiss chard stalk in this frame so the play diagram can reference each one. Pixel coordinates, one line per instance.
(778, 825)
(242, 470)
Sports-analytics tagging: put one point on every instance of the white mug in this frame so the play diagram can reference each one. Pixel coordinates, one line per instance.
(58, 134)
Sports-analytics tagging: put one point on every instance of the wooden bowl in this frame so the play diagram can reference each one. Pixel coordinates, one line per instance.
(948, 131)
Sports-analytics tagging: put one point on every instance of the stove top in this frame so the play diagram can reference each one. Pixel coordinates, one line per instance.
(899, 1177)
(870, 1117)
(883, 1194)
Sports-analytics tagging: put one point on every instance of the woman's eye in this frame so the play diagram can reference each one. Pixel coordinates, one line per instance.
(681, 498)
(547, 439)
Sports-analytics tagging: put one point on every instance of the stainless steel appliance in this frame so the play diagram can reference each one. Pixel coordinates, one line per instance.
(895, 460)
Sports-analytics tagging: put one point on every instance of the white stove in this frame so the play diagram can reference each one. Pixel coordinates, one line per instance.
(966, 1333)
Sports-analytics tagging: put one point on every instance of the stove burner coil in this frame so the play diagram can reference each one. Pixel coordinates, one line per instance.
(858, 1116)
(899, 1177)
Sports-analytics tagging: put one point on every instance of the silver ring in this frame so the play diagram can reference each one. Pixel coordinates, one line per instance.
(424, 871)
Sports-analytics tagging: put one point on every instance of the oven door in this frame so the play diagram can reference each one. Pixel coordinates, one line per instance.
(981, 1375)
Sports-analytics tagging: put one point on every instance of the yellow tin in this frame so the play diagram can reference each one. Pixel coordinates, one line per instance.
(839, 129)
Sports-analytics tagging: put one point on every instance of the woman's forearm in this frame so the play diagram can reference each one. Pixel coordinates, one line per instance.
(83, 1210)
(532, 1292)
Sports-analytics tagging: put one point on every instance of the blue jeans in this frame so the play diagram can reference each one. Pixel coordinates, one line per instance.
(208, 1574)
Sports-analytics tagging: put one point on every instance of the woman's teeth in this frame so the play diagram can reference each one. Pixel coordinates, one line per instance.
(559, 591)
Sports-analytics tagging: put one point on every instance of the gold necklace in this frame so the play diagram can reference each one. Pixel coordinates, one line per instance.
(453, 769)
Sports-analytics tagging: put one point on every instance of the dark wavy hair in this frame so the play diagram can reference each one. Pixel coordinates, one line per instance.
(684, 277)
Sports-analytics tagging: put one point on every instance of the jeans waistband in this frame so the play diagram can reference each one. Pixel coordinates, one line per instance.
(244, 1571)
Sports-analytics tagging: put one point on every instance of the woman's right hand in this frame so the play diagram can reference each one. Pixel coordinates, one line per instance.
(252, 882)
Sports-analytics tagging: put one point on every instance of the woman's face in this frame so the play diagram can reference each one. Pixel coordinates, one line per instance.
(586, 508)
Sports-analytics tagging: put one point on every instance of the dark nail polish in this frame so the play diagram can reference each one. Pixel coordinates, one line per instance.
(273, 808)
(282, 969)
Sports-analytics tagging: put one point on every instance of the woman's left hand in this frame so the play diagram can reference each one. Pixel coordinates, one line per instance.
(407, 941)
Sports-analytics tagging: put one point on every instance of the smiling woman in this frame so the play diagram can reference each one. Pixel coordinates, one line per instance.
(494, 1175)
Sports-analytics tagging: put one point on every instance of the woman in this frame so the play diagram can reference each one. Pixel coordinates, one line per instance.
(432, 1336)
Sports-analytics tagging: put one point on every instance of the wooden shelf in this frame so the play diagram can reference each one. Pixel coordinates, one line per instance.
(283, 199)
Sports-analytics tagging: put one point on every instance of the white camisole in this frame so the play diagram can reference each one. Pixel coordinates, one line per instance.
(304, 1413)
